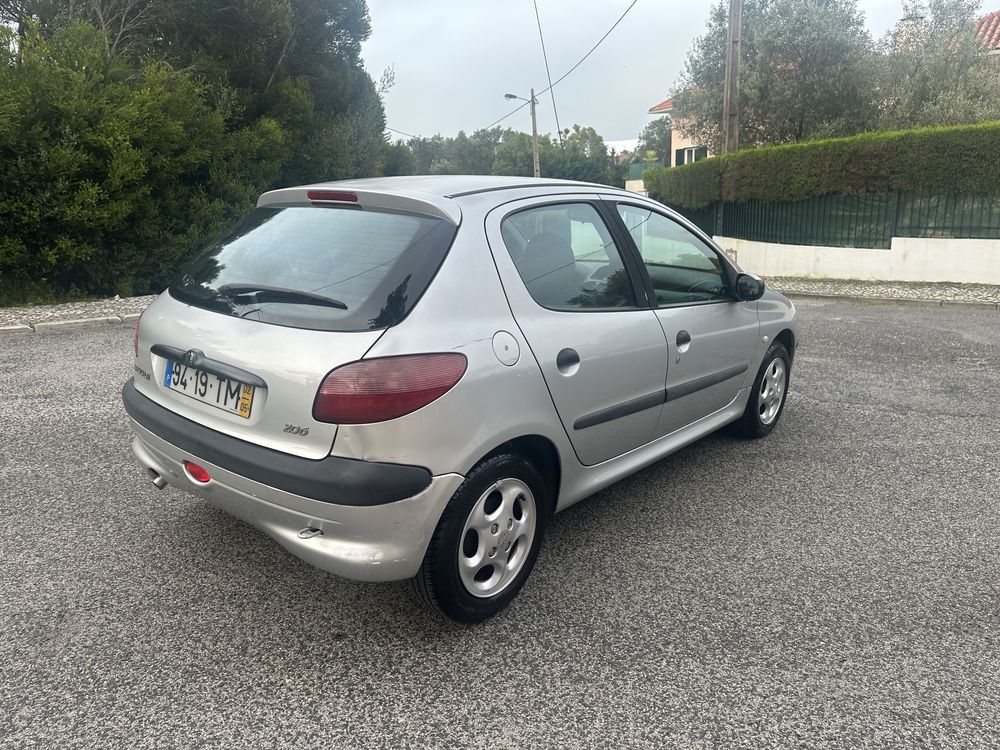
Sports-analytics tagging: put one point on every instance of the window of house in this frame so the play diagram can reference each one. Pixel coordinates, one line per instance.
(688, 155)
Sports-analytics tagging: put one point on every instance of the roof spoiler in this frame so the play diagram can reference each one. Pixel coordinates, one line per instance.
(343, 194)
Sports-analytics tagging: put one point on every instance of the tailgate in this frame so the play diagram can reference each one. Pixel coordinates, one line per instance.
(290, 363)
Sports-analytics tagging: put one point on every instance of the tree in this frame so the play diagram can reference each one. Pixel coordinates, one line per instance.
(655, 138)
(109, 177)
(584, 156)
(934, 71)
(514, 154)
(805, 73)
(156, 122)
(297, 62)
(462, 154)
(398, 160)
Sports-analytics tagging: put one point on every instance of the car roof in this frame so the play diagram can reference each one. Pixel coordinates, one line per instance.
(432, 195)
(453, 186)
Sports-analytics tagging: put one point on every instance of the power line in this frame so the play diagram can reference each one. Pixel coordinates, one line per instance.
(514, 112)
(548, 75)
(408, 135)
(578, 64)
(607, 33)
(552, 85)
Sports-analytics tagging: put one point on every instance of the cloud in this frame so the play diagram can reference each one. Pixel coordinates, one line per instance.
(455, 59)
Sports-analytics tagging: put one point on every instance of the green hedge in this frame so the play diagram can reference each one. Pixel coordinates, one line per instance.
(958, 159)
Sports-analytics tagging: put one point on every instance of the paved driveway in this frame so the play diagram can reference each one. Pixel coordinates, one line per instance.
(834, 585)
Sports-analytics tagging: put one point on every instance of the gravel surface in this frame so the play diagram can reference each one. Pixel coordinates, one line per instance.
(130, 306)
(832, 586)
(983, 293)
(100, 308)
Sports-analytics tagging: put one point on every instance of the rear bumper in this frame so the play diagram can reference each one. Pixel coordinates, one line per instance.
(381, 542)
(333, 479)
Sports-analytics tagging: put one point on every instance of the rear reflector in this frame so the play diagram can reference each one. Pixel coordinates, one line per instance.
(376, 390)
(328, 195)
(197, 473)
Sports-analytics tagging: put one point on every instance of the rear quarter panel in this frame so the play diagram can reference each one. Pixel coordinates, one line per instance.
(462, 310)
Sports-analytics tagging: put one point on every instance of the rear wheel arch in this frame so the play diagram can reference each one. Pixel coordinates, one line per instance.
(540, 451)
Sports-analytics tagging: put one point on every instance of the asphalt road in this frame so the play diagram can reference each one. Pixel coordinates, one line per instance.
(835, 585)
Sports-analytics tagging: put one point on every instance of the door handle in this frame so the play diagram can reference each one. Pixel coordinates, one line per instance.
(567, 361)
(683, 338)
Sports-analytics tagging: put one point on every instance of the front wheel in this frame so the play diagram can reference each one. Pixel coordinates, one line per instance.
(486, 542)
(767, 399)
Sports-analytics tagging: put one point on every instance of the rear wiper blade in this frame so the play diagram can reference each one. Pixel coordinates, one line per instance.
(261, 293)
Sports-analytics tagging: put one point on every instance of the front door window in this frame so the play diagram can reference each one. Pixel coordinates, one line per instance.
(681, 267)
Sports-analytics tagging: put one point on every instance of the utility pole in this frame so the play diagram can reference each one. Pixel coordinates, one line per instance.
(534, 128)
(731, 90)
(534, 138)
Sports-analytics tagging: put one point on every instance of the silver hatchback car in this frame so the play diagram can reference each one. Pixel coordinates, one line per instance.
(404, 378)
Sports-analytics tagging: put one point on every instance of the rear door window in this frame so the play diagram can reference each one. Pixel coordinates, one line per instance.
(331, 269)
(567, 258)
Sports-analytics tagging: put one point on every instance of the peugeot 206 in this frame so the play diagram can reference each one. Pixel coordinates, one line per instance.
(405, 378)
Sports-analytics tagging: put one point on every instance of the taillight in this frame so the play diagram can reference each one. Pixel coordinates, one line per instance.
(375, 390)
(135, 340)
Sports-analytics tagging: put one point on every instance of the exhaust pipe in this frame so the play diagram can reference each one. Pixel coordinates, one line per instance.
(158, 481)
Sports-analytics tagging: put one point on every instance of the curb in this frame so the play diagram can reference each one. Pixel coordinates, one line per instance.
(50, 325)
(57, 325)
(891, 300)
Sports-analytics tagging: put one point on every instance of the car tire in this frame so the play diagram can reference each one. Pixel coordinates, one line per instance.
(486, 541)
(767, 397)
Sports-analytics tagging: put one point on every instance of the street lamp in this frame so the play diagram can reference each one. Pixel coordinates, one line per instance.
(534, 129)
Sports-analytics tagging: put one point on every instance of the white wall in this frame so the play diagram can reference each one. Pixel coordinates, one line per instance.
(908, 259)
(636, 186)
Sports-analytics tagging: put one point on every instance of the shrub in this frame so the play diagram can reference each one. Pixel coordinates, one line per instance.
(959, 159)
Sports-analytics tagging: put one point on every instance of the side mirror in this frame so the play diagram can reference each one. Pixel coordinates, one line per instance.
(749, 287)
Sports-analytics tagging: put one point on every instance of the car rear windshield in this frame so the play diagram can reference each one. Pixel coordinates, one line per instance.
(328, 269)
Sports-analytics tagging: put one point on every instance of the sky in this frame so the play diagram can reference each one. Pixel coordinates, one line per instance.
(455, 59)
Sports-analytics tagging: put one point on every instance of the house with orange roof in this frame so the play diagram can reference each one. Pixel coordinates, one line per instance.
(988, 28)
(683, 149)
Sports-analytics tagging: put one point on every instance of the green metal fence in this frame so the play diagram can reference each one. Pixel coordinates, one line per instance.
(638, 169)
(870, 220)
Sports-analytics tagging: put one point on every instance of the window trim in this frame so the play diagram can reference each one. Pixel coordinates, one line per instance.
(729, 272)
(637, 280)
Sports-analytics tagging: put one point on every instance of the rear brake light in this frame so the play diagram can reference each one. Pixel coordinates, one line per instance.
(376, 390)
(330, 195)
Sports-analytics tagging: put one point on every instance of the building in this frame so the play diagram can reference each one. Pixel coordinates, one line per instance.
(683, 150)
(989, 32)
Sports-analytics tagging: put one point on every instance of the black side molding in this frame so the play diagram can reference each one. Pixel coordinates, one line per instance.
(620, 410)
(655, 399)
(344, 481)
(706, 381)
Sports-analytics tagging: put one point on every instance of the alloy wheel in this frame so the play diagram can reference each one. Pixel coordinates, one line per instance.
(497, 537)
(772, 391)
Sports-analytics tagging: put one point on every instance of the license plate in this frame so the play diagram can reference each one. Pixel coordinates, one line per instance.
(222, 393)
